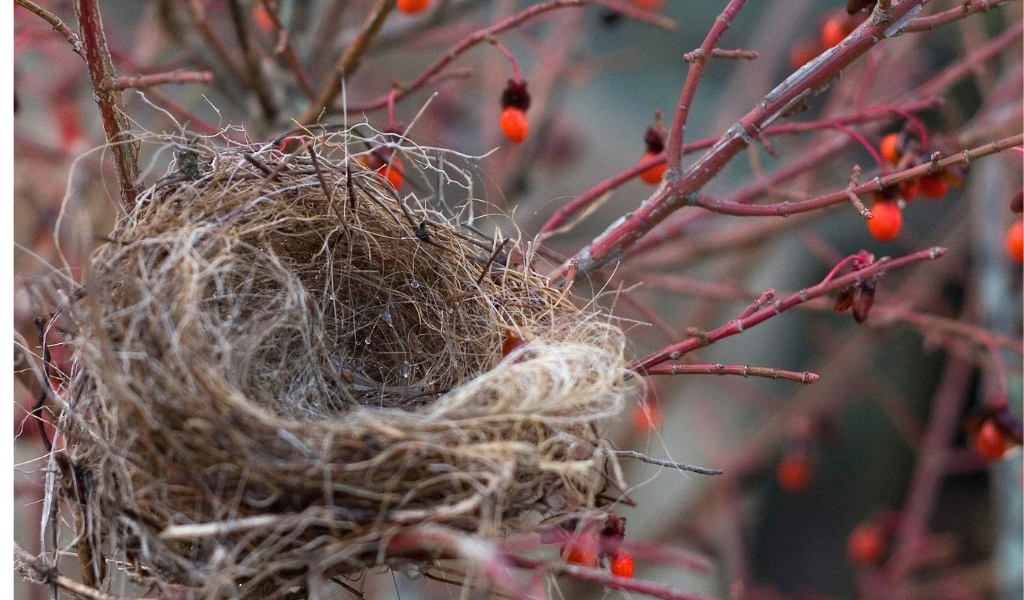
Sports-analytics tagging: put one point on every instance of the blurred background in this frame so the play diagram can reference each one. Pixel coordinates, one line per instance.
(884, 444)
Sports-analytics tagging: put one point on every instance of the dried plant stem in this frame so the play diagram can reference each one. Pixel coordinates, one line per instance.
(676, 351)
(144, 81)
(666, 463)
(57, 23)
(349, 60)
(39, 573)
(115, 123)
(285, 48)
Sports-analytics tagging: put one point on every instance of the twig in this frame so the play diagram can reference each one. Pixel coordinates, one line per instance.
(31, 568)
(58, 25)
(284, 47)
(721, 53)
(666, 463)
(115, 123)
(252, 61)
(676, 351)
(485, 35)
(744, 370)
(144, 81)
(968, 8)
(349, 60)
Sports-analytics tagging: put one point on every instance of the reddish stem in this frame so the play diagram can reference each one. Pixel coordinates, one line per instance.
(744, 370)
(954, 14)
(511, 59)
(144, 81)
(882, 165)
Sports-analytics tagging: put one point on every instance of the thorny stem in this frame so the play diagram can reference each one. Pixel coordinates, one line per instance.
(115, 123)
(252, 61)
(486, 34)
(58, 25)
(349, 60)
(683, 189)
(143, 81)
(744, 370)
(674, 145)
(676, 351)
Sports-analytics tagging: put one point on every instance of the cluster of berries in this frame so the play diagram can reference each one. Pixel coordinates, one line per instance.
(834, 29)
(592, 549)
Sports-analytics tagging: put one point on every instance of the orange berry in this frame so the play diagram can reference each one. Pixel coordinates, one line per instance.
(793, 473)
(263, 20)
(647, 418)
(514, 124)
(889, 148)
(886, 221)
(622, 564)
(833, 31)
(989, 442)
(582, 551)
(411, 7)
(934, 186)
(653, 175)
(866, 545)
(392, 175)
(909, 189)
(647, 4)
(803, 53)
(1015, 242)
(512, 341)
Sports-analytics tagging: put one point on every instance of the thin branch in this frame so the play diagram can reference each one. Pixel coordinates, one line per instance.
(666, 463)
(58, 25)
(720, 53)
(252, 61)
(349, 60)
(969, 7)
(744, 370)
(144, 81)
(676, 351)
(285, 48)
(115, 123)
(36, 572)
(485, 35)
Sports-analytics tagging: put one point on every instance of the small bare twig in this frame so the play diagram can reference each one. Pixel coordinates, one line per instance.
(58, 25)
(144, 81)
(666, 463)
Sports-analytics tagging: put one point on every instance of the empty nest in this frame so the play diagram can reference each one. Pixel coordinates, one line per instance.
(284, 371)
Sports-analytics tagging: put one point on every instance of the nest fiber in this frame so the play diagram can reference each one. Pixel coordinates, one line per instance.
(282, 367)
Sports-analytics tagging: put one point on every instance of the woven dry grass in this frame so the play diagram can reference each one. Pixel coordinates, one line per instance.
(281, 365)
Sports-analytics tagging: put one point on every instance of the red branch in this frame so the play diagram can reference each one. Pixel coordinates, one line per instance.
(57, 24)
(744, 370)
(115, 123)
(512, 22)
(676, 351)
(698, 59)
(144, 81)
(954, 14)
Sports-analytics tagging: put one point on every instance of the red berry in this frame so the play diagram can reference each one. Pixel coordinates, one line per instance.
(834, 30)
(647, 4)
(392, 174)
(1015, 242)
(803, 53)
(512, 341)
(411, 7)
(653, 175)
(934, 186)
(886, 221)
(866, 545)
(793, 473)
(990, 442)
(890, 148)
(264, 22)
(647, 418)
(514, 124)
(622, 564)
(582, 551)
(909, 189)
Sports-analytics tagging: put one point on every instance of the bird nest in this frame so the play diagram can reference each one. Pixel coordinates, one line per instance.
(284, 371)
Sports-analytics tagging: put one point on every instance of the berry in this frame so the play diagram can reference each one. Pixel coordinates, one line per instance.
(793, 473)
(1015, 242)
(411, 7)
(885, 222)
(514, 125)
(263, 20)
(890, 148)
(512, 341)
(990, 442)
(647, 4)
(392, 175)
(909, 189)
(866, 545)
(803, 53)
(653, 175)
(647, 418)
(622, 564)
(582, 551)
(834, 30)
(934, 186)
